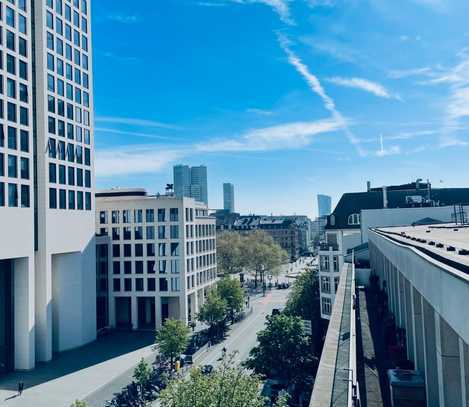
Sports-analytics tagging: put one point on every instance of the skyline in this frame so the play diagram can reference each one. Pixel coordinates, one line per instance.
(310, 97)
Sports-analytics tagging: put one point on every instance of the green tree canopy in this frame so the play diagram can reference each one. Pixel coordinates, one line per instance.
(283, 351)
(304, 302)
(214, 309)
(226, 386)
(172, 339)
(142, 373)
(230, 259)
(230, 290)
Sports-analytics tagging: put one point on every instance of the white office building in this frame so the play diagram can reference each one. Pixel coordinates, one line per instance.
(47, 247)
(161, 253)
(228, 197)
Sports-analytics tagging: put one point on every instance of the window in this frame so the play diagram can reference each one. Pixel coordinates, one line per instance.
(138, 233)
(138, 214)
(354, 219)
(150, 215)
(174, 215)
(116, 284)
(52, 198)
(116, 234)
(24, 196)
(103, 217)
(24, 168)
(116, 250)
(162, 266)
(139, 267)
(71, 199)
(150, 232)
(12, 166)
(151, 284)
(2, 194)
(24, 141)
(174, 232)
(161, 249)
(139, 250)
(151, 249)
(12, 144)
(62, 199)
(12, 195)
(115, 216)
(127, 233)
(127, 284)
(127, 250)
(175, 286)
(116, 267)
(335, 260)
(174, 249)
(161, 232)
(139, 284)
(324, 263)
(336, 283)
(150, 266)
(325, 285)
(326, 306)
(163, 284)
(127, 267)
(126, 216)
(161, 215)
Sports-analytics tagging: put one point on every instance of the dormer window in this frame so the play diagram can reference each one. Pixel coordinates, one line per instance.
(354, 219)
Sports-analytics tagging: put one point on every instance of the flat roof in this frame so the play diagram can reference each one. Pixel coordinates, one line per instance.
(445, 243)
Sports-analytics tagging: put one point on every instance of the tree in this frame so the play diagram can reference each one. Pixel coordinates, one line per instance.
(142, 373)
(213, 311)
(172, 339)
(231, 291)
(262, 254)
(79, 403)
(283, 351)
(304, 302)
(226, 386)
(229, 253)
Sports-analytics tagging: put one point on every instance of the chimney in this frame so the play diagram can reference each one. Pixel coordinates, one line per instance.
(368, 186)
(385, 197)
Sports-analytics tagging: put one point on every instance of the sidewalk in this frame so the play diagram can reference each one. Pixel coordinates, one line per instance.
(76, 374)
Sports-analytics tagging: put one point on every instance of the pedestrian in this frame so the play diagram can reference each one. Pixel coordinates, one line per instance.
(20, 388)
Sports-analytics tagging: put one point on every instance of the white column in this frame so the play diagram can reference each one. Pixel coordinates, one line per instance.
(24, 336)
(43, 304)
(418, 331)
(409, 321)
(134, 312)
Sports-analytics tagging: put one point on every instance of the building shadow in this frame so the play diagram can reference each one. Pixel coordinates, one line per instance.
(110, 346)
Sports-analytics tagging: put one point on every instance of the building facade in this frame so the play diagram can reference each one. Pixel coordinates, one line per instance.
(228, 197)
(383, 206)
(324, 205)
(161, 257)
(191, 182)
(46, 181)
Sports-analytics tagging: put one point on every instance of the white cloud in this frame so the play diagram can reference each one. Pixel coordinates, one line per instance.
(139, 159)
(260, 112)
(281, 7)
(437, 5)
(124, 19)
(106, 130)
(363, 84)
(321, 3)
(315, 85)
(134, 160)
(134, 122)
(405, 73)
(280, 137)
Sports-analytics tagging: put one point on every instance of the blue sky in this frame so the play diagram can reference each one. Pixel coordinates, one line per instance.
(285, 99)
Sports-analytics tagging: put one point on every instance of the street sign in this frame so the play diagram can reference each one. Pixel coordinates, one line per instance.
(307, 328)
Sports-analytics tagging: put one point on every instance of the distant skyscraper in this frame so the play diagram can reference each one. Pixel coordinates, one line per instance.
(324, 205)
(191, 182)
(228, 197)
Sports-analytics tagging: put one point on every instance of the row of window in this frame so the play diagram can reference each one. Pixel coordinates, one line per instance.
(14, 113)
(14, 195)
(14, 139)
(149, 235)
(137, 284)
(66, 10)
(324, 264)
(326, 285)
(13, 64)
(12, 170)
(326, 306)
(200, 246)
(173, 250)
(68, 152)
(70, 73)
(15, 19)
(200, 262)
(59, 174)
(63, 199)
(67, 90)
(125, 216)
(66, 30)
(200, 278)
(205, 230)
(152, 267)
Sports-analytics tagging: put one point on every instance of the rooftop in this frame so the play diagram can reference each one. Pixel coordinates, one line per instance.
(447, 244)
